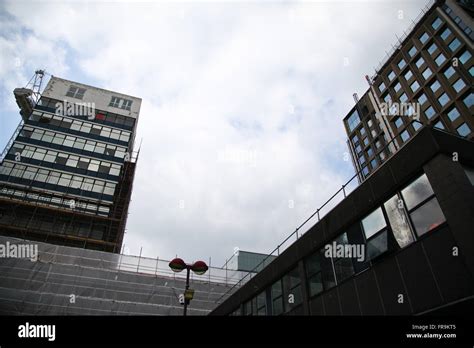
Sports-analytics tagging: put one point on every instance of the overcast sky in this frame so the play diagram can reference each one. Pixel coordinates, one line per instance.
(242, 107)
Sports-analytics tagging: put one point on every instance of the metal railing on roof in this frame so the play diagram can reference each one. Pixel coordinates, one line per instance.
(406, 32)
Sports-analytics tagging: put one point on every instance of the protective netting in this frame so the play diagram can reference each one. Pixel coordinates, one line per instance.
(72, 281)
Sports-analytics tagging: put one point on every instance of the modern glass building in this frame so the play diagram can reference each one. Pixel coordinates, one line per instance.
(401, 243)
(425, 80)
(66, 175)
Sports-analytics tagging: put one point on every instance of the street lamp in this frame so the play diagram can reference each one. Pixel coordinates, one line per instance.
(198, 267)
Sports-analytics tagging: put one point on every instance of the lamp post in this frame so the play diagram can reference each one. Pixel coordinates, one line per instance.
(198, 267)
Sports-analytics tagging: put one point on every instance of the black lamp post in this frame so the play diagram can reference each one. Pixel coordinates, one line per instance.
(198, 267)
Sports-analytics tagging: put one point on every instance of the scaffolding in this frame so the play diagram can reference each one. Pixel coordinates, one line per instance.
(71, 281)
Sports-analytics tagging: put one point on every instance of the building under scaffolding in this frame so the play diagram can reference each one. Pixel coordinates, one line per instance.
(65, 280)
(66, 174)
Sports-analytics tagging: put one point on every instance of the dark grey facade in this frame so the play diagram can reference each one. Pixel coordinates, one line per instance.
(414, 217)
(426, 80)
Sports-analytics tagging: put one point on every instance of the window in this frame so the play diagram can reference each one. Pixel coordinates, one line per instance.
(445, 34)
(408, 75)
(61, 159)
(471, 70)
(76, 92)
(83, 163)
(373, 163)
(362, 131)
(72, 161)
(432, 48)
(381, 86)
(436, 23)
(464, 57)
(459, 85)
(402, 64)
(422, 206)
(366, 141)
(420, 62)
(397, 87)
(453, 46)
(423, 38)
(429, 112)
(449, 72)
(358, 148)
(374, 226)
(453, 114)
(403, 98)
(373, 223)
(391, 75)
(370, 152)
(416, 125)
(435, 86)
(115, 170)
(439, 125)
(412, 51)
(120, 103)
(353, 120)
(427, 73)
(261, 304)
(463, 130)
(405, 135)
(427, 217)
(313, 272)
(362, 159)
(365, 171)
(414, 86)
(422, 99)
(277, 298)
(417, 192)
(398, 221)
(398, 122)
(292, 287)
(343, 267)
(469, 100)
(440, 59)
(444, 99)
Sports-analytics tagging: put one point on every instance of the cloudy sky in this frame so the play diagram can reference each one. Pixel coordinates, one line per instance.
(241, 120)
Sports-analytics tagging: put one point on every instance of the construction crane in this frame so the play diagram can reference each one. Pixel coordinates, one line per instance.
(27, 97)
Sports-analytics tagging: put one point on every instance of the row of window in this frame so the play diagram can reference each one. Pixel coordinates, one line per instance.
(100, 115)
(79, 126)
(406, 216)
(55, 201)
(73, 142)
(57, 225)
(34, 174)
(65, 159)
(460, 23)
(78, 93)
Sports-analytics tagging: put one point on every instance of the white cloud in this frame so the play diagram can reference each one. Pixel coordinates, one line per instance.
(242, 107)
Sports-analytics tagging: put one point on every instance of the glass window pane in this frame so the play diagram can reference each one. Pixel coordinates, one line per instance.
(373, 223)
(398, 221)
(377, 245)
(417, 191)
(427, 217)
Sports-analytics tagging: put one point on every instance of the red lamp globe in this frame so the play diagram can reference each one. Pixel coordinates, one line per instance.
(177, 264)
(199, 267)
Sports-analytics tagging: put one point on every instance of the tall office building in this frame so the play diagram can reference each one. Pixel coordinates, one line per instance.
(66, 174)
(425, 80)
